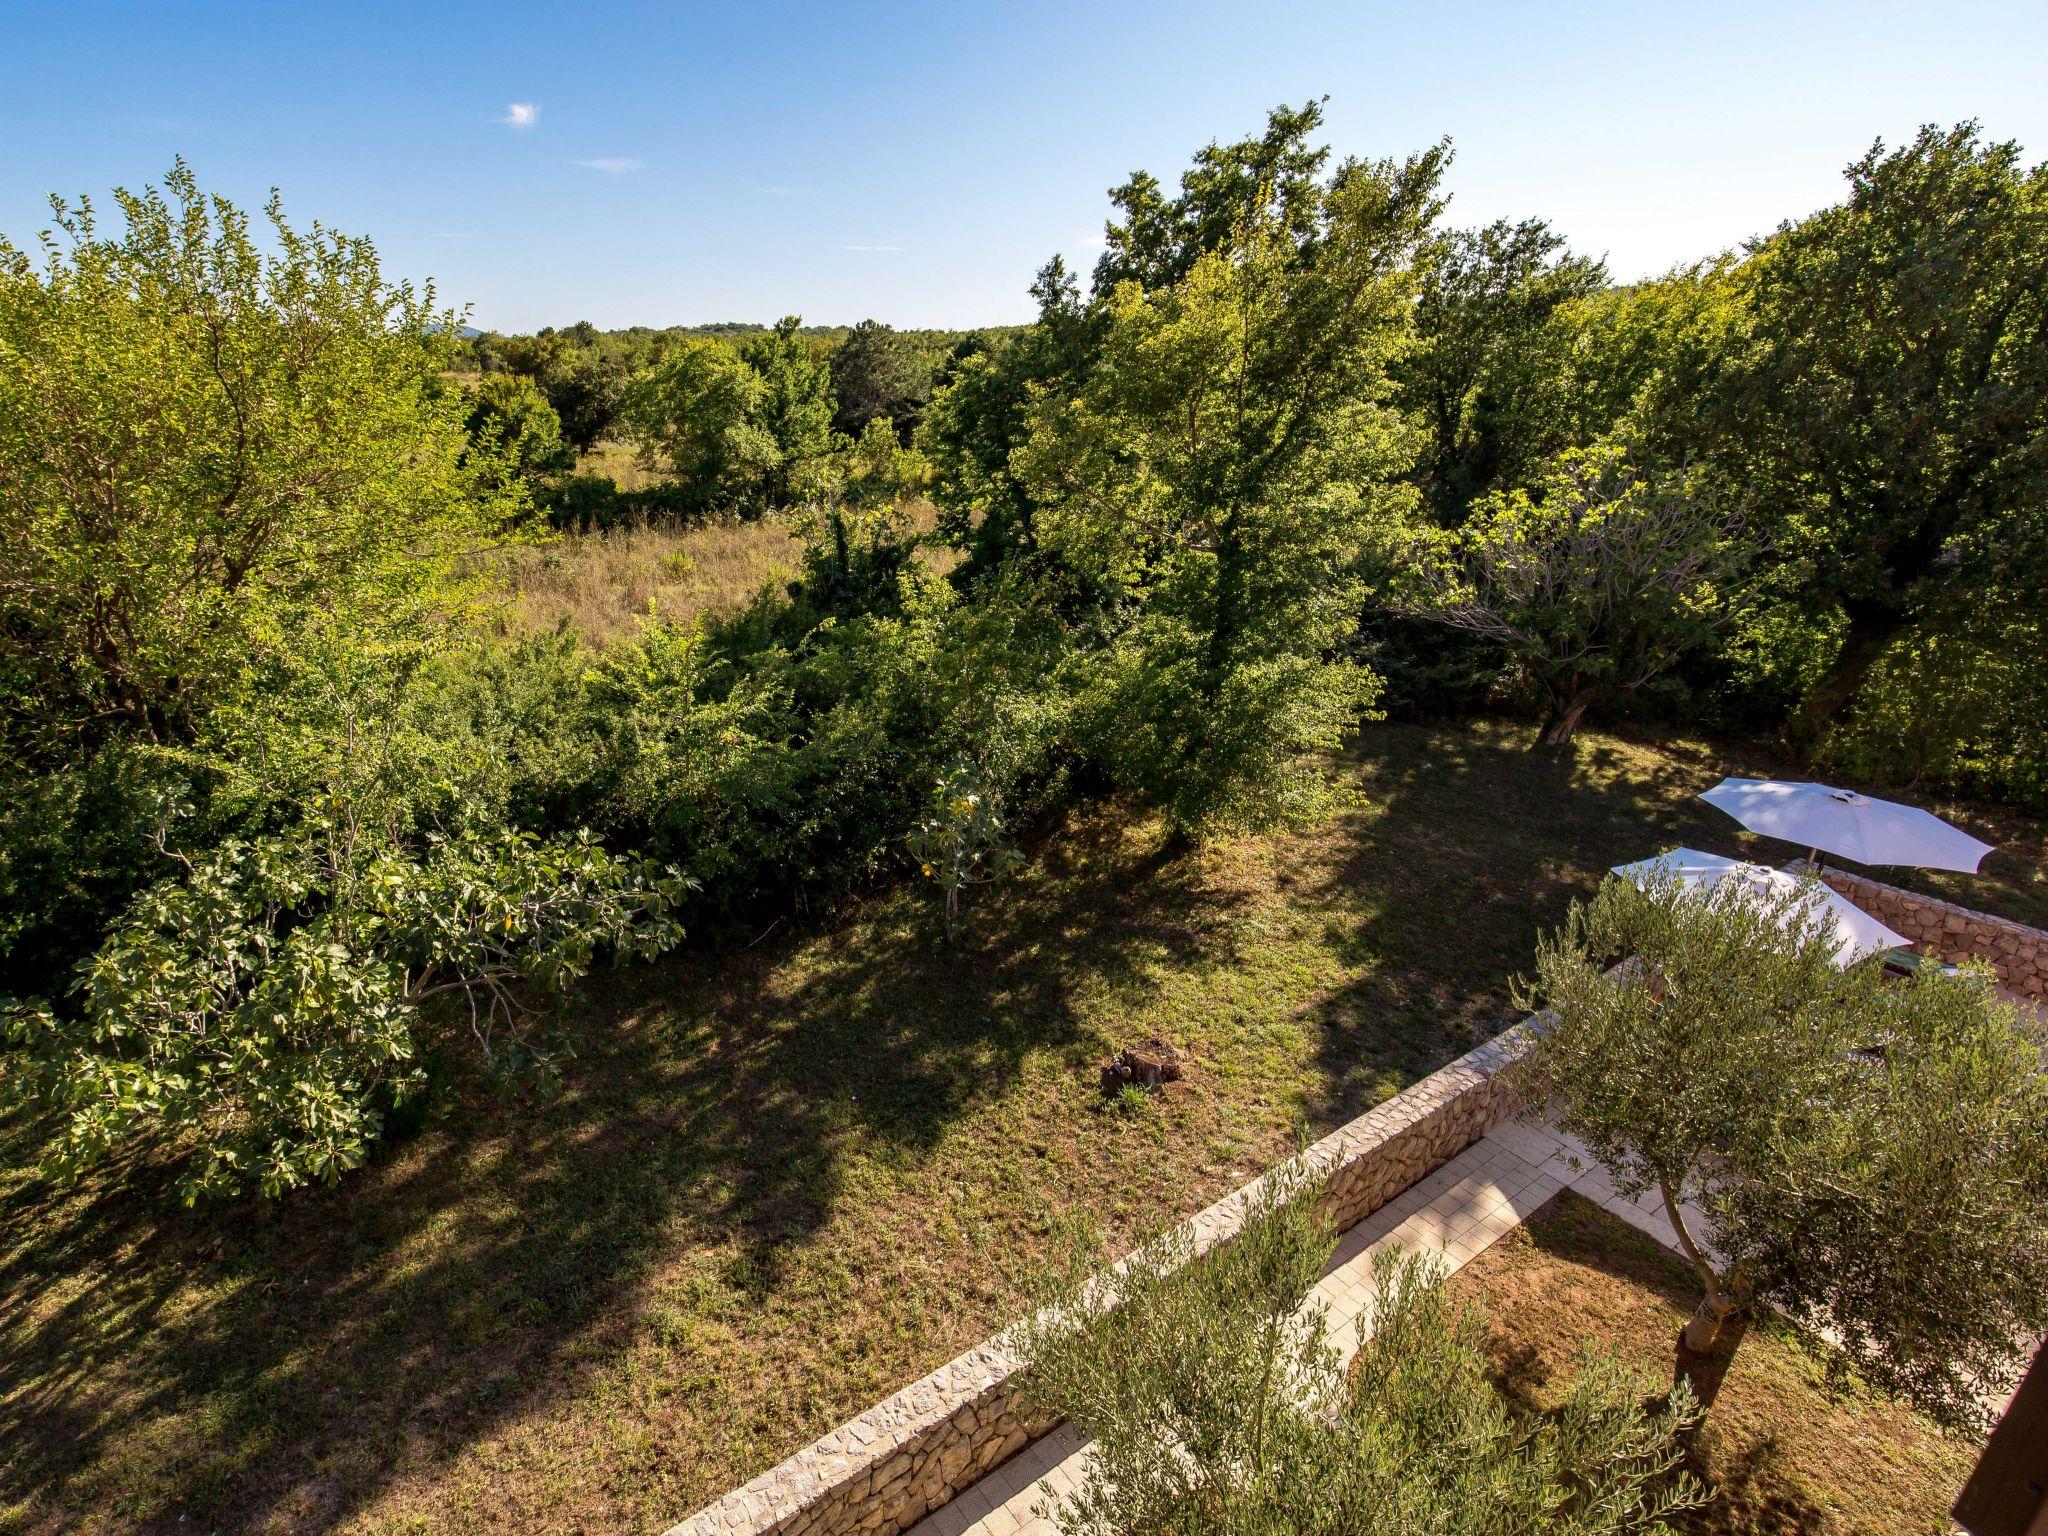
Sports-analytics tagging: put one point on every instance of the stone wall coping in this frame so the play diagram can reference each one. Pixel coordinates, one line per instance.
(1935, 904)
(875, 1449)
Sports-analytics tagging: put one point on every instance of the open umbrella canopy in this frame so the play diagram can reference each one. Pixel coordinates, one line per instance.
(1854, 932)
(1840, 821)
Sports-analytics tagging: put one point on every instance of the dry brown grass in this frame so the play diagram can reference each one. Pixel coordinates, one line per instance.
(609, 584)
(1780, 1453)
(622, 464)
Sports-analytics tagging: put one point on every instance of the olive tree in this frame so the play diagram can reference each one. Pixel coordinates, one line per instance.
(1868, 1155)
(1596, 580)
(1216, 1403)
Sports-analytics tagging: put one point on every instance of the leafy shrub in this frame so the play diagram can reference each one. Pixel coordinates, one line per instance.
(1216, 1403)
(258, 1014)
(961, 841)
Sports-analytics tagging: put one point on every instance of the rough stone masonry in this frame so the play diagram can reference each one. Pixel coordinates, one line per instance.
(2016, 953)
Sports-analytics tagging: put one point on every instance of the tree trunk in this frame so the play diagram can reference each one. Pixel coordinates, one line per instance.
(1563, 719)
(1707, 1342)
(1712, 1329)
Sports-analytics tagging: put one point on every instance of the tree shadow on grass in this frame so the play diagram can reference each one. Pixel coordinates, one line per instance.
(1472, 847)
(278, 1369)
(1735, 1451)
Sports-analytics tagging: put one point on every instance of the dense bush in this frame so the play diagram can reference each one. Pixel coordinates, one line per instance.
(1214, 1400)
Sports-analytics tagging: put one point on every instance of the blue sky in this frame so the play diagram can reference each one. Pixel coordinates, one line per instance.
(687, 163)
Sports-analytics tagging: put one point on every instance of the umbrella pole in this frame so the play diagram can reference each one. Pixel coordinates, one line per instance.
(1813, 860)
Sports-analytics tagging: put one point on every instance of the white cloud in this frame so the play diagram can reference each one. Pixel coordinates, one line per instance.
(521, 114)
(612, 165)
(871, 247)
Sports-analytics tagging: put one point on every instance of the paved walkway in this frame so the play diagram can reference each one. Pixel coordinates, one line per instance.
(1459, 1211)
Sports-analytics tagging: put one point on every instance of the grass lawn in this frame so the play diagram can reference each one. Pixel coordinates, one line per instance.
(1781, 1454)
(787, 1178)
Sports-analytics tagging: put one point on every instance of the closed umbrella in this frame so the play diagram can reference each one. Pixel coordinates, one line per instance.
(1854, 932)
(1840, 821)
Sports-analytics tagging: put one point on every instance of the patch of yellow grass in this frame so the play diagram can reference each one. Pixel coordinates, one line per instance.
(609, 584)
(622, 464)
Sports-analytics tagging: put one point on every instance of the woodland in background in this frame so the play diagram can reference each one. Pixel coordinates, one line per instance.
(291, 822)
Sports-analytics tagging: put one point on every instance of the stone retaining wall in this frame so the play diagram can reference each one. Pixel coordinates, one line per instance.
(2017, 953)
(884, 1471)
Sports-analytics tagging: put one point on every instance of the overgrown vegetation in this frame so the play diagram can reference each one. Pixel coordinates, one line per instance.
(1210, 513)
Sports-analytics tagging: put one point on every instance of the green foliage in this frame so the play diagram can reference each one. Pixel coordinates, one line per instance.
(795, 410)
(1216, 474)
(856, 555)
(961, 842)
(1595, 584)
(1275, 180)
(695, 415)
(877, 372)
(875, 467)
(516, 430)
(1892, 407)
(1959, 710)
(208, 441)
(979, 415)
(586, 396)
(1870, 1155)
(1215, 1402)
(258, 1014)
(1490, 374)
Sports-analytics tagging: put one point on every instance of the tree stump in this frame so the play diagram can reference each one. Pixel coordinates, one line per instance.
(1148, 1064)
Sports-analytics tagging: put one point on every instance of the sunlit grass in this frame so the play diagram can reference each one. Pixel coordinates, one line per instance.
(786, 1178)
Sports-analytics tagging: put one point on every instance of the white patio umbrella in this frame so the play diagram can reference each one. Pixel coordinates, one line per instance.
(1855, 932)
(1843, 822)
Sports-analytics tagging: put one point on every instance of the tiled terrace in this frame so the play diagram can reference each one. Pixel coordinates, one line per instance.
(1458, 1211)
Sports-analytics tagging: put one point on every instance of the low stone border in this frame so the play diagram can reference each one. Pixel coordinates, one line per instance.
(881, 1473)
(2016, 953)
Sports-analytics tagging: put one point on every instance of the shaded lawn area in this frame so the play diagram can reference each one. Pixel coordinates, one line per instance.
(1779, 1451)
(784, 1180)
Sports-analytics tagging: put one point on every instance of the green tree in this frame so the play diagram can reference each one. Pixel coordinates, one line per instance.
(206, 444)
(979, 416)
(586, 395)
(1490, 372)
(1217, 471)
(1869, 1155)
(257, 1008)
(795, 410)
(1276, 180)
(259, 1015)
(1895, 402)
(1596, 584)
(877, 372)
(517, 430)
(1215, 1403)
(695, 414)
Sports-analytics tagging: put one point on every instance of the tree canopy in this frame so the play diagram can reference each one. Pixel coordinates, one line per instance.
(1869, 1155)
